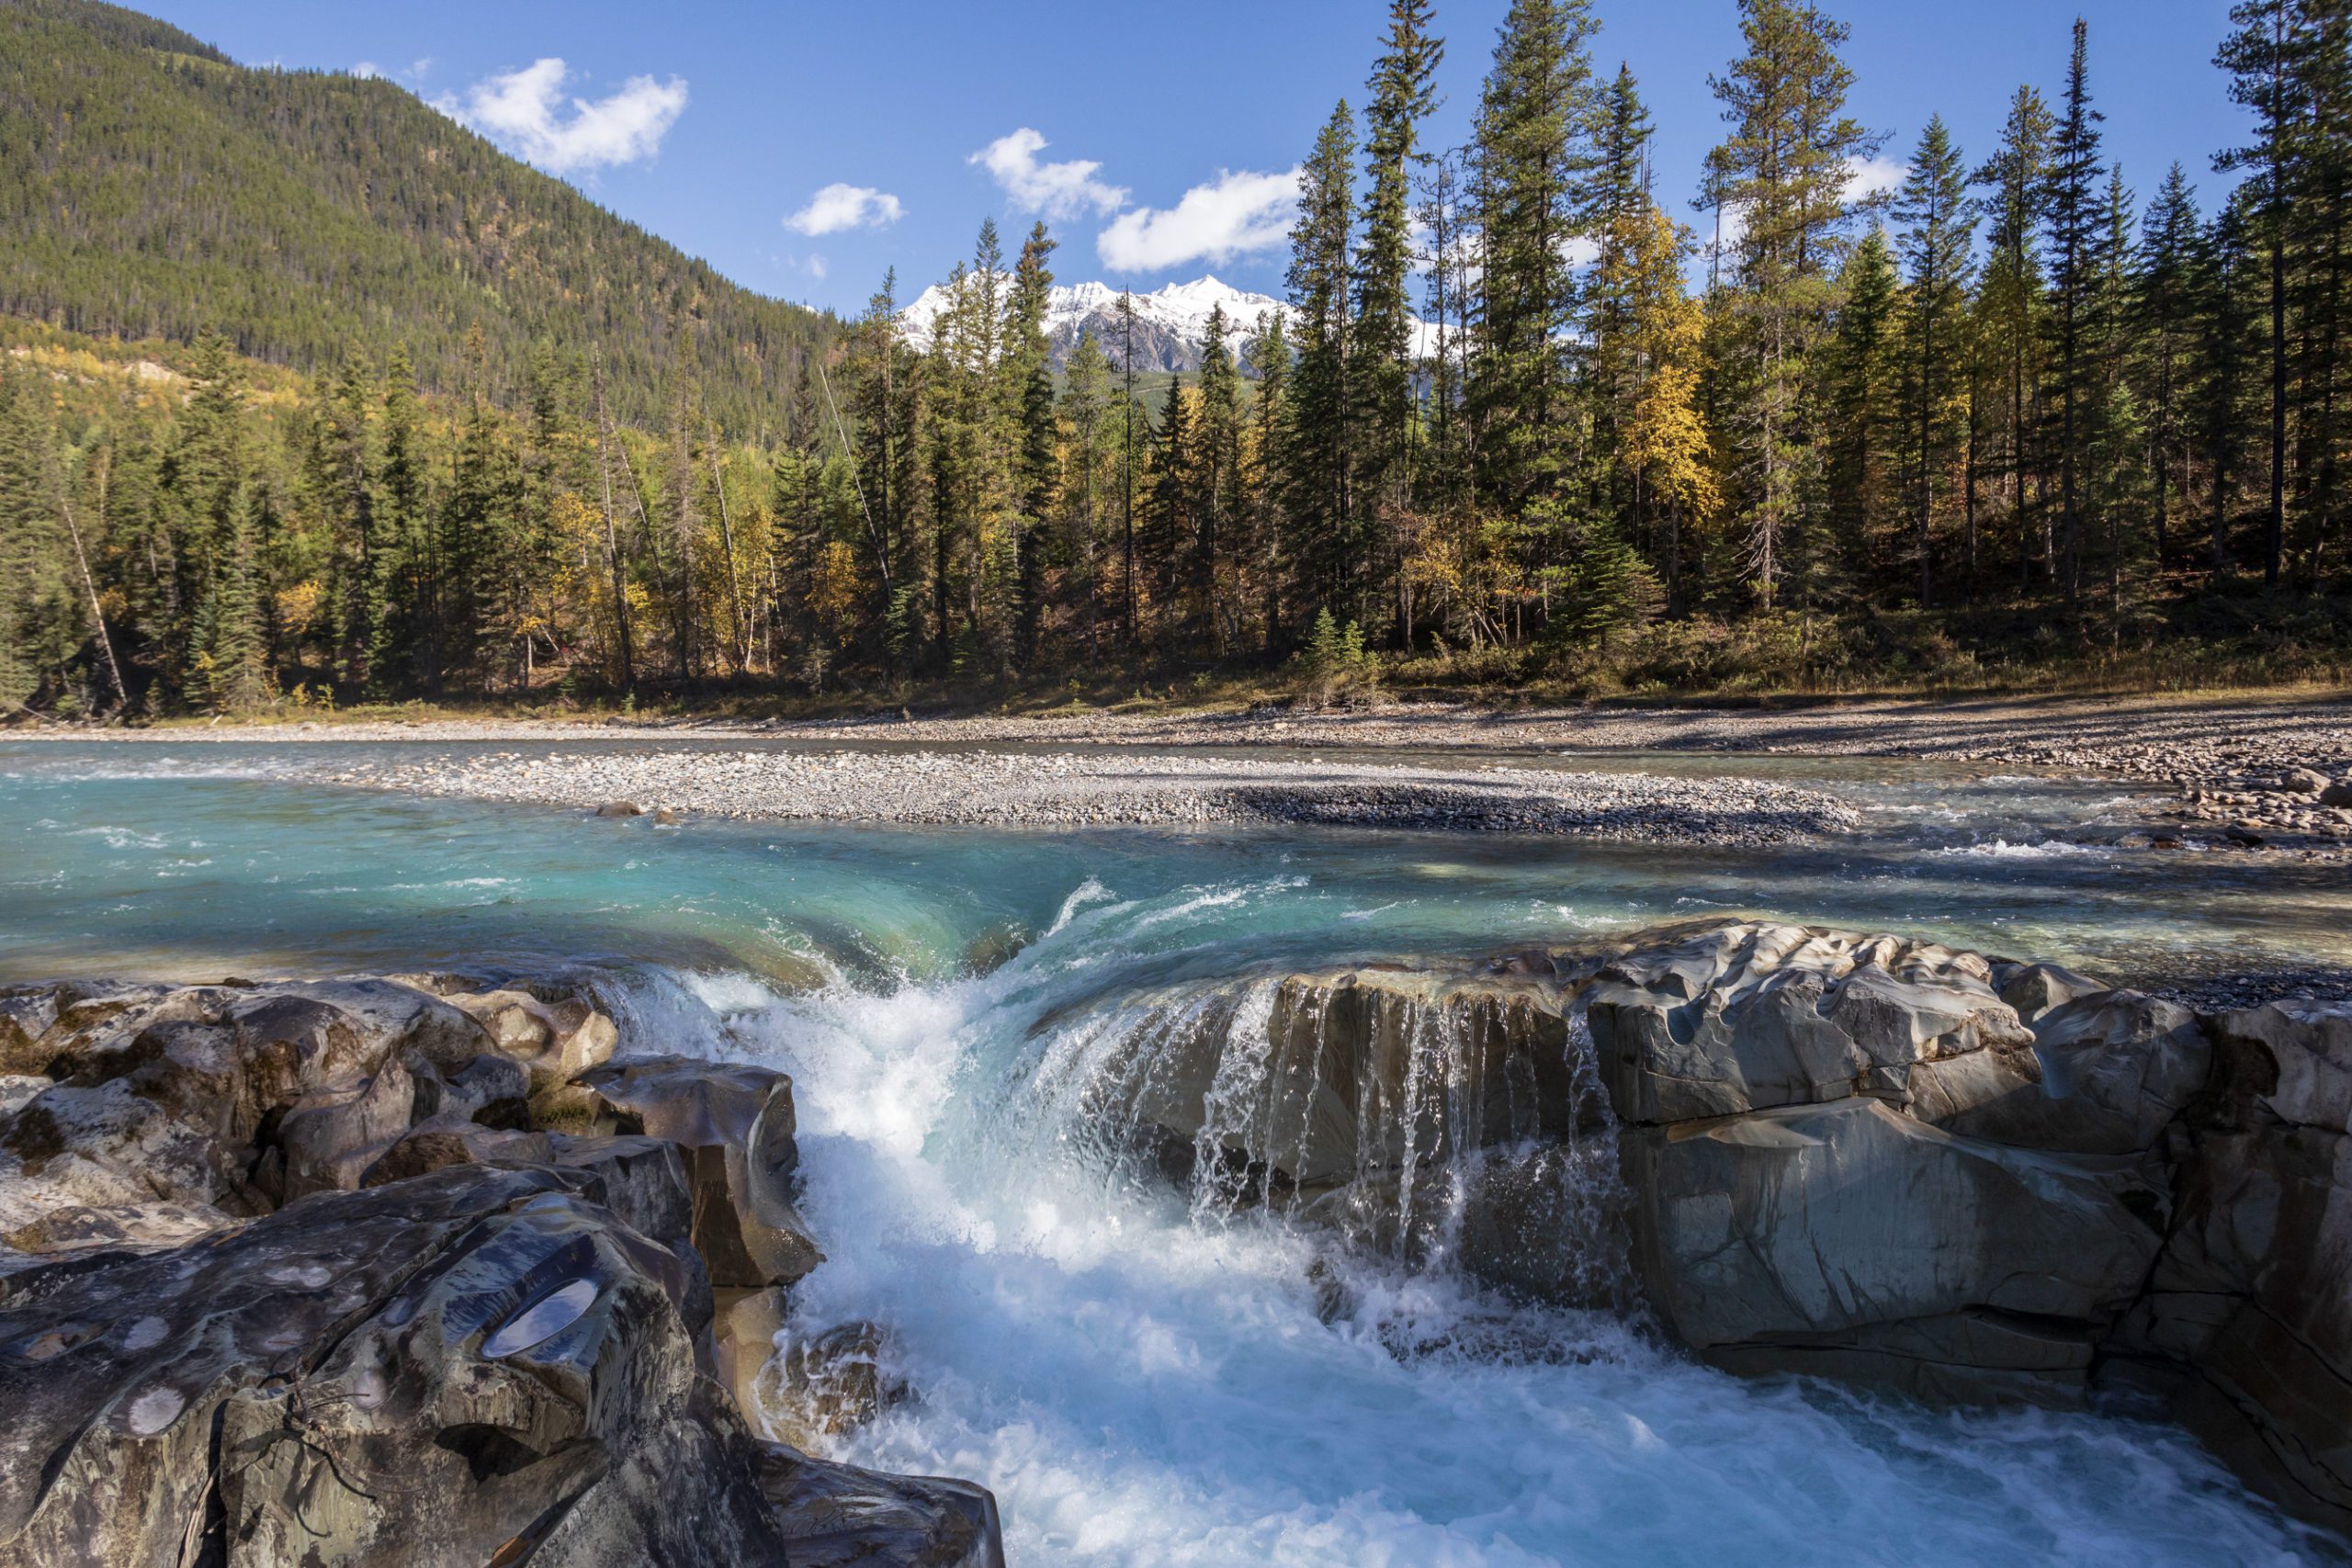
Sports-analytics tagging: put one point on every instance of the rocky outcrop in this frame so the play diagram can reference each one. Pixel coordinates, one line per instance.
(1858, 1157)
(735, 1125)
(354, 1272)
(2252, 1293)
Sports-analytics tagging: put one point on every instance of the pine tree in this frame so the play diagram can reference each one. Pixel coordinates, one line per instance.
(2226, 292)
(1270, 417)
(1086, 412)
(1939, 238)
(1031, 373)
(1865, 428)
(1529, 161)
(1383, 351)
(1317, 464)
(2074, 219)
(1216, 482)
(1618, 213)
(2010, 303)
(36, 601)
(2165, 333)
(2262, 57)
(1783, 170)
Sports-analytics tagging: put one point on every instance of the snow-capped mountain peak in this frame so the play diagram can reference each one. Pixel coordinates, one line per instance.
(1171, 323)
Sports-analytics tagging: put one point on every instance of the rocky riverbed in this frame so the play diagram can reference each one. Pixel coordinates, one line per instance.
(2251, 771)
(1030, 789)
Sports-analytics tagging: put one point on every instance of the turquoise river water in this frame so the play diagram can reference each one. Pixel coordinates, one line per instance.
(1144, 1379)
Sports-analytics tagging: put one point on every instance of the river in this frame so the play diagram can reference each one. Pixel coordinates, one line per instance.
(1143, 1378)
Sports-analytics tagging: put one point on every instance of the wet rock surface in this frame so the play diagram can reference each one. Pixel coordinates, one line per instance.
(293, 1274)
(1863, 1157)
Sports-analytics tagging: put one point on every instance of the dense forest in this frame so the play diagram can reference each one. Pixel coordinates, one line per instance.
(2012, 414)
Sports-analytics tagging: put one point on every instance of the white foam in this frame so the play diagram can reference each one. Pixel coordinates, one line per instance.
(1144, 1384)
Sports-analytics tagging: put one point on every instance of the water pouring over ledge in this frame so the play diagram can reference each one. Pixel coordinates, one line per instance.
(1139, 1383)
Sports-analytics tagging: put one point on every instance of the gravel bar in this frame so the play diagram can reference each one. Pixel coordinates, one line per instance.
(1000, 789)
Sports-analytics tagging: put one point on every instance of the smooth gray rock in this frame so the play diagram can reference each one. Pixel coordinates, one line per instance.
(1745, 1018)
(735, 1127)
(1811, 1228)
(2253, 1293)
(837, 1516)
(2107, 1073)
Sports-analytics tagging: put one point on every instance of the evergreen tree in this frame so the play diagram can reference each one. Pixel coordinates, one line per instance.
(2262, 57)
(1383, 347)
(1939, 231)
(1216, 460)
(2074, 219)
(1867, 401)
(1783, 170)
(1317, 464)
(2010, 303)
(2164, 332)
(1531, 158)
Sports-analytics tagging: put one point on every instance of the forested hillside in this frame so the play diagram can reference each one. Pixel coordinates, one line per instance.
(2032, 416)
(151, 187)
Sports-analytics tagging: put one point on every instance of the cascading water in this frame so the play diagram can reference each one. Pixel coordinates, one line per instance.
(1282, 1330)
(1159, 1348)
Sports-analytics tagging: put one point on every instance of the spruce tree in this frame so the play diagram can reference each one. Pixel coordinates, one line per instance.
(2011, 303)
(1531, 157)
(1382, 350)
(1939, 238)
(1783, 170)
(1318, 465)
(2164, 336)
(1216, 482)
(2075, 218)
(2262, 57)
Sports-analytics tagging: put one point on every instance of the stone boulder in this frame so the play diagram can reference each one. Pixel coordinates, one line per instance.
(837, 1516)
(554, 1041)
(2253, 1293)
(735, 1126)
(2107, 1073)
(155, 1109)
(1749, 1017)
(1852, 1240)
(1326, 1079)
(477, 1364)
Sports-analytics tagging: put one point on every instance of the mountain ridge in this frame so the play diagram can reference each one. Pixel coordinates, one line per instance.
(150, 187)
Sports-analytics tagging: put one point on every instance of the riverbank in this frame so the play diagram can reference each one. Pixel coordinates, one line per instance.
(2249, 770)
(2158, 738)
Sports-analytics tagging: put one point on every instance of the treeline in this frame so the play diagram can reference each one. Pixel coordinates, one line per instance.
(2009, 391)
(2006, 380)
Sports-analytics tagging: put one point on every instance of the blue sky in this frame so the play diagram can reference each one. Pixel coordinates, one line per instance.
(887, 129)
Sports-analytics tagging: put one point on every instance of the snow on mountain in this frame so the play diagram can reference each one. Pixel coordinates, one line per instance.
(1171, 323)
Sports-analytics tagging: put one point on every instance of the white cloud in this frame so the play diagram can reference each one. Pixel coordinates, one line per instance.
(815, 268)
(1581, 251)
(525, 110)
(1875, 176)
(1234, 214)
(1062, 190)
(1865, 178)
(843, 206)
(366, 69)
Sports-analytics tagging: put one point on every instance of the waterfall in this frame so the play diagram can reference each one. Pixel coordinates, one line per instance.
(1440, 1124)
